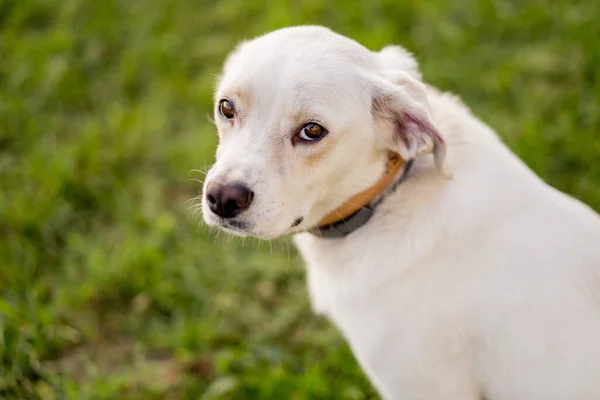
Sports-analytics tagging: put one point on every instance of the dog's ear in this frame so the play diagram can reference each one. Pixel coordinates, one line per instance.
(395, 58)
(401, 110)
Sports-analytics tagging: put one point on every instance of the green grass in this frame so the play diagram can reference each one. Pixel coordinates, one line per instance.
(110, 287)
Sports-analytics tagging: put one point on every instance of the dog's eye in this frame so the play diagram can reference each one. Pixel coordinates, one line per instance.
(311, 132)
(226, 109)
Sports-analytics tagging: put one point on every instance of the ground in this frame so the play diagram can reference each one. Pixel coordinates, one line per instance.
(110, 286)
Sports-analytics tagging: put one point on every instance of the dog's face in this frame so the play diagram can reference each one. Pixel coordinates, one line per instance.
(306, 119)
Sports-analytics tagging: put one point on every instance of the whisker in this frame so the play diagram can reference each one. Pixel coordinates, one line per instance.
(192, 199)
(197, 170)
(356, 205)
(211, 119)
(198, 213)
(197, 209)
(342, 218)
(318, 230)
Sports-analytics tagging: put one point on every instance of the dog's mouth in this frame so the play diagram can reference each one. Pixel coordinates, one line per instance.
(297, 221)
(236, 225)
(242, 228)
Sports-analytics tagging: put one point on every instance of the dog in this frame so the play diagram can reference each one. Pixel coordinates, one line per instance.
(452, 270)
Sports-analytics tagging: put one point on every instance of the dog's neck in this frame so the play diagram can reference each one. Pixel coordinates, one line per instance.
(357, 210)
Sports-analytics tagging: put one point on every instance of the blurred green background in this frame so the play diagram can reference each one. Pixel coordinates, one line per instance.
(110, 286)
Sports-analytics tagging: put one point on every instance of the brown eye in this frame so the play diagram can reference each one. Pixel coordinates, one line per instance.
(226, 109)
(311, 132)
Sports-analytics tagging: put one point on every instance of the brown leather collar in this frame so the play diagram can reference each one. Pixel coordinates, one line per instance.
(357, 210)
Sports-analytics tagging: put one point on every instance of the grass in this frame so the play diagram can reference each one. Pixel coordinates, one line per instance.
(112, 289)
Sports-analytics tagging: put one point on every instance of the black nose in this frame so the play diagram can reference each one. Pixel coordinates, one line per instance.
(229, 200)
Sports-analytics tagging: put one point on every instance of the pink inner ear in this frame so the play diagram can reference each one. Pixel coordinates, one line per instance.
(411, 128)
(418, 130)
(417, 127)
(413, 131)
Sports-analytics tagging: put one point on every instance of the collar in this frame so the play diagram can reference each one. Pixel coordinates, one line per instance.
(358, 209)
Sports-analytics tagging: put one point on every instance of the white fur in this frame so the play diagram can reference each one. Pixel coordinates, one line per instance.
(482, 286)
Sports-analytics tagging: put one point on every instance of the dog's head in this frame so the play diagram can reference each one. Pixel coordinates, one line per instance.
(306, 119)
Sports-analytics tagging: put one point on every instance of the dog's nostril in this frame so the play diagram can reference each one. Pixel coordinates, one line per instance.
(229, 208)
(250, 197)
(245, 199)
(211, 199)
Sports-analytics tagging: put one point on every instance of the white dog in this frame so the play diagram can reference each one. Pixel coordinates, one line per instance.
(452, 270)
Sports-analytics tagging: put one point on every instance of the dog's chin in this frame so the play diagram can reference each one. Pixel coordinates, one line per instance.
(234, 232)
(239, 228)
(243, 228)
(234, 227)
(248, 230)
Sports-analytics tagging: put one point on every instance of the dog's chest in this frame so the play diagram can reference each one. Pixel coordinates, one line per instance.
(335, 273)
(387, 315)
(350, 281)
